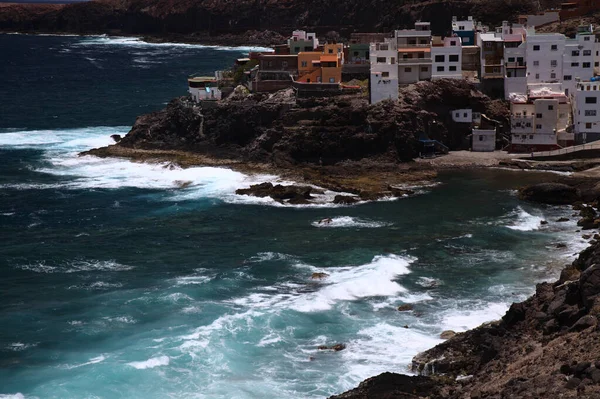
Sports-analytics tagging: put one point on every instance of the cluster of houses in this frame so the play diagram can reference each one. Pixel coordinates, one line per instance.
(548, 78)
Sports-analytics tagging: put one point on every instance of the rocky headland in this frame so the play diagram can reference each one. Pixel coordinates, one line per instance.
(249, 22)
(340, 143)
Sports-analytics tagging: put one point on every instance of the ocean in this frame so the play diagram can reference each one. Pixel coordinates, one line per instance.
(115, 282)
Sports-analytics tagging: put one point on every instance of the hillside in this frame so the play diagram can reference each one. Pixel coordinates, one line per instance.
(235, 21)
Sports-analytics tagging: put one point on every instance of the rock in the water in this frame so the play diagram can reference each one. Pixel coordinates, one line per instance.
(550, 193)
(406, 307)
(562, 220)
(335, 348)
(447, 334)
(345, 200)
(116, 137)
(183, 183)
(318, 275)
(544, 222)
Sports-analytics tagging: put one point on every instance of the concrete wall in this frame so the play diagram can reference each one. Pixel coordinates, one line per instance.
(483, 140)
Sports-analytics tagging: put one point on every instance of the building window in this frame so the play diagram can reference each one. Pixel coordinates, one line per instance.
(568, 77)
(575, 53)
(296, 49)
(453, 58)
(528, 124)
(537, 75)
(330, 51)
(488, 44)
(538, 116)
(304, 64)
(591, 100)
(440, 58)
(385, 74)
(480, 138)
(536, 63)
(465, 115)
(590, 112)
(596, 64)
(587, 64)
(356, 53)
(331, 80)
(586, 39)
(538, 126)
(574, 64)
(511, 59)
(518, 124)
(587, 52)
(550, 107)
(407, 70)
(284, 64)
(423, 41)
(531, 137)
(424, 69)
(524, 136)
(453, 43)
(553, 76)
(554, 47)
(536, 48)
(457, 115)
(452, 68)
(440, 69)
(588, 125)
(381, 60)
(393, 60)
(553, 63)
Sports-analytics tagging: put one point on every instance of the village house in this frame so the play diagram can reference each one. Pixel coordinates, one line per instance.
(302, 41)
(414, 53)
(384, 71)
(586, 111)
(492, 48)
(539, 121)
(203, 88)
(446, 56)
(483, 140)
(466, 30)
(321, 67)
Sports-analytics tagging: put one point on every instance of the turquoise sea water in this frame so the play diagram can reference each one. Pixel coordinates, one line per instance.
(115, 283)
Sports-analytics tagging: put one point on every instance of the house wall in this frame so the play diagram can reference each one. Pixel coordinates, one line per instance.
(383, 81)
(447, 60)
(279, 63)
(205, 93)
(483, 140)
(462, 115)
(544, 58)
(578, 61)
(586, 113)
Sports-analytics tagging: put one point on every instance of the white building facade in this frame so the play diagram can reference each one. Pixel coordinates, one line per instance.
(384, 71)
(446, 57)
(414, 53)
(484, 140)
(586, 111)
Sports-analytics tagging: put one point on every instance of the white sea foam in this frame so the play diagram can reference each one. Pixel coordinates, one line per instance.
(94, 360)
(526, 221)
(466, 319)
(348, 221)
(17, 395)
(76, 267)
(139, 43)
(20, 346)
(151, 363)
(364, 354)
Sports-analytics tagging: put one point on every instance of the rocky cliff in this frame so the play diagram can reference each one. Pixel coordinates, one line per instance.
(287, 131)
(545, 347)
(245, 21)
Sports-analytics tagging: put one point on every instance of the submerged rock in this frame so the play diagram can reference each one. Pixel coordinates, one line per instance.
(335, 348)
(550, 193)
(319, 275)
(406, 307)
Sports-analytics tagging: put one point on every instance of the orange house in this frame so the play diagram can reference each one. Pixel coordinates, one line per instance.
(321, 67)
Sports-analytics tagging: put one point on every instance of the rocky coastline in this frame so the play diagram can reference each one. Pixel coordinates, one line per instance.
(341, 143)
(547, 346)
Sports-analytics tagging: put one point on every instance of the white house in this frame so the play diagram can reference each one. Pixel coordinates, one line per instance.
(414, 53)
(515, 71)
(539, 122)
(586, 111)
(579, 58)
(204, 88)
(483, 140)
(384, 71)
(302, 41)
(545, 57)
(446, 57)
(462, 115)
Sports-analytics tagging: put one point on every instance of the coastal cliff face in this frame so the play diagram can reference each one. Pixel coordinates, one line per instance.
(285, 131)
(545, 347)
(245, 21)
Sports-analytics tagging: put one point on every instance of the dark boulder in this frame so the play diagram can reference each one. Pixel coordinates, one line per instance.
(589, 284)
(393, 386)
(345, 200)
(550, 193)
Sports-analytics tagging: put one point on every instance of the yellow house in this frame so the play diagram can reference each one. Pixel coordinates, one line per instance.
(321, 67)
